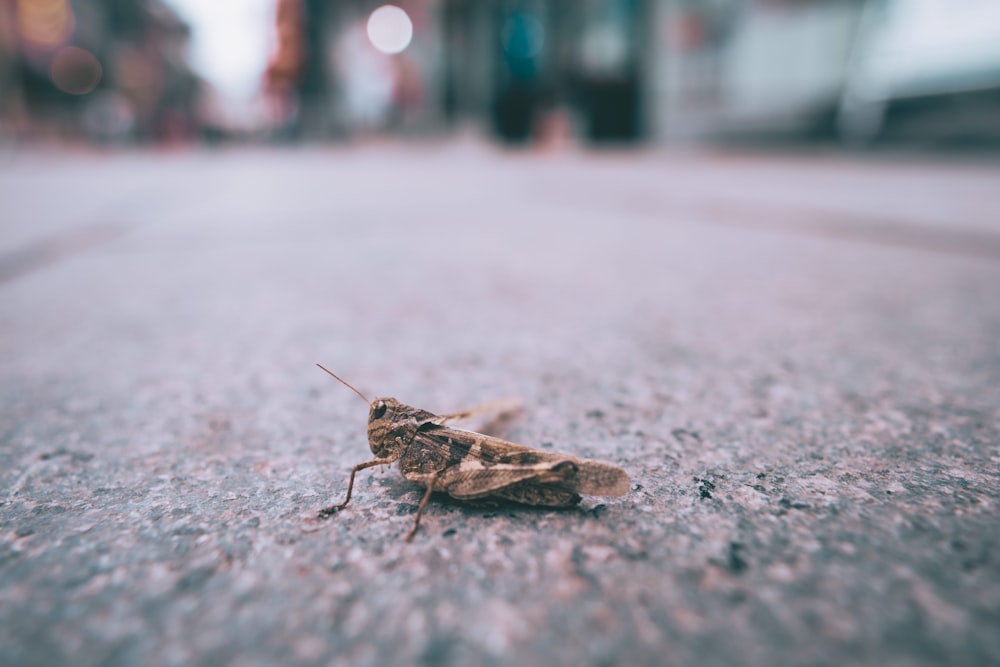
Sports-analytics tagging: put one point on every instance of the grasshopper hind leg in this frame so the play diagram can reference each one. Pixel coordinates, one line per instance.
(420, 509)
(538, 495)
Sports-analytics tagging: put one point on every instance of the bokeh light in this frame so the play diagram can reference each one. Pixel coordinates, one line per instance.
(390, 29)
(75, 71)
(44, 23)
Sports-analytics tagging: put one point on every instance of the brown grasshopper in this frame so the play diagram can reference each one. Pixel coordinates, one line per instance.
(472, 466)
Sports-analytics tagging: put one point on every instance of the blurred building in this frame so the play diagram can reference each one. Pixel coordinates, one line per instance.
(523, 71)
(520, 70)
(852, 70)
(749, 66)
(101, 70)
(644, 70)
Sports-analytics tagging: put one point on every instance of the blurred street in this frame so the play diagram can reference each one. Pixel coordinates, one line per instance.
(796, 357)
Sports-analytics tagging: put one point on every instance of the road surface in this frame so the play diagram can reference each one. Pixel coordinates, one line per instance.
(796, 358)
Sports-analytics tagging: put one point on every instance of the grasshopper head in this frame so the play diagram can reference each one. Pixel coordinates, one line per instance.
(391, 425)
(390, 428)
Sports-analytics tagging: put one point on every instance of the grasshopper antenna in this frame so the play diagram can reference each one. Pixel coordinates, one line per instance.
(345, 383)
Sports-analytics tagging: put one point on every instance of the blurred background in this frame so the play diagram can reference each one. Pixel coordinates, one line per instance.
(858, 72)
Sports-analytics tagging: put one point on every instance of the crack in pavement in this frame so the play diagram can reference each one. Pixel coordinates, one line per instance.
(51, 250)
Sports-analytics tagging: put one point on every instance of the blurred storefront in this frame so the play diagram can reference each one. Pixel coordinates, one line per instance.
(658, 71)
(853, 71)
(732, 66)
(547, 72)
(520, 70)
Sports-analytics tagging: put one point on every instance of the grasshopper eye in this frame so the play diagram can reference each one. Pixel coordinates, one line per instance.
(378, 410)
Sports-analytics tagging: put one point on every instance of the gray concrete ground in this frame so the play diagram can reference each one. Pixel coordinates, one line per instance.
(796, 358)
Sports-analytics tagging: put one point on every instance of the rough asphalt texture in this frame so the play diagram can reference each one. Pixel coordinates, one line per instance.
(796, 358)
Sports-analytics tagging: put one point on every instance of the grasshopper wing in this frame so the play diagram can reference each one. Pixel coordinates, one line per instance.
(595, 478)
(477, 479)
(477, 465)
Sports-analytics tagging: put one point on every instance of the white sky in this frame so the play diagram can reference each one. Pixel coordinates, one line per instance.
(231, 41)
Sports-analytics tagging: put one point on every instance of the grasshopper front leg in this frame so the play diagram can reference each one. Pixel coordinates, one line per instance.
(333, 509)
(420, 509)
